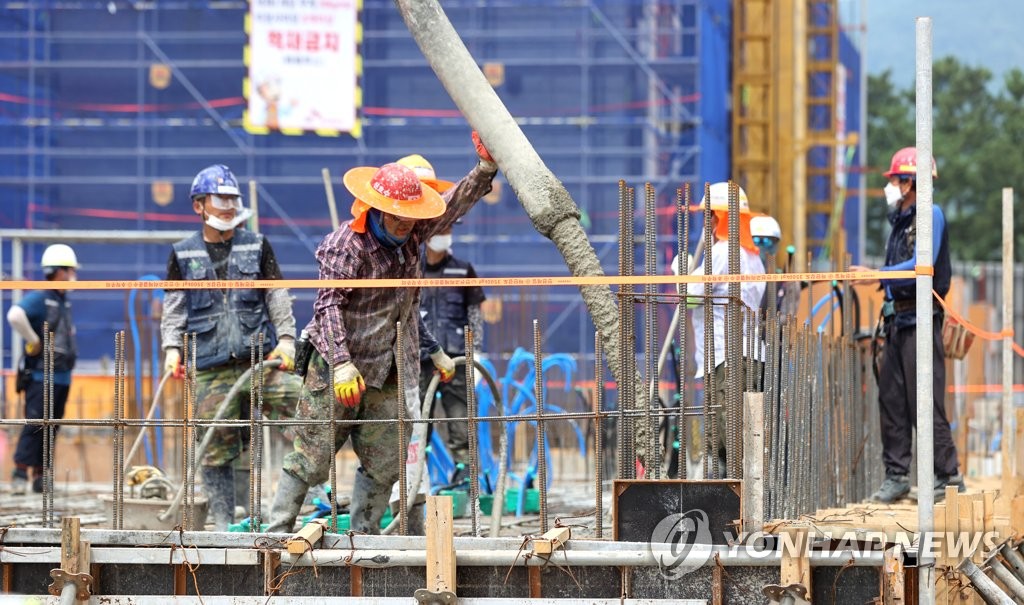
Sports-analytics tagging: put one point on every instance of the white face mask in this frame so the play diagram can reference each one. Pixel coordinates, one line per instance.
(222, 225)
(440, 243)
(893, 195)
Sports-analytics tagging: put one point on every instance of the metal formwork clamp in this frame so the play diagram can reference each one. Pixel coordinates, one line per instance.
(429, 597)
(786, 595)
(61, 578)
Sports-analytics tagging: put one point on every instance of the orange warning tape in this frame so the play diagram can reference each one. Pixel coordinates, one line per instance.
(494, 282)
(973, 329)
(924, 270)
(982, 388)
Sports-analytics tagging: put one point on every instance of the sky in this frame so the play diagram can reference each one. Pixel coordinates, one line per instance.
(978, 32)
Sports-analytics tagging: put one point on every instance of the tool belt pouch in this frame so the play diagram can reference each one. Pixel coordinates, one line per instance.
(303, 351)
(956, 340)
(22, 378)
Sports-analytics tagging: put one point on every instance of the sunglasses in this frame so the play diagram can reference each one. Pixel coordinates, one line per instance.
(766, 244)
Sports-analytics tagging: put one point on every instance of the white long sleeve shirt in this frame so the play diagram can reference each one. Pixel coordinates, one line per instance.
(750, 294)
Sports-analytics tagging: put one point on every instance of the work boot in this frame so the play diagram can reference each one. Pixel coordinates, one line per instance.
(37, 484)
(369, 501)
(219, 487)
(943, 481)
(893, 488)
(291, 493)
(19, 482)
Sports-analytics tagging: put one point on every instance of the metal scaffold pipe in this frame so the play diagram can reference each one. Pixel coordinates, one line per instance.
(925, 442)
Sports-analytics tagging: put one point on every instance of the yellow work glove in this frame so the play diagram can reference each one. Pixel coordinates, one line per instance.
(348, 384)
(33, 348)
(285, 351)
(444, 364)
(172, 363)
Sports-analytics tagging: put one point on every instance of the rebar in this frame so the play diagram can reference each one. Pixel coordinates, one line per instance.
(598, 439)
(474, 452)
(253, 527)
(542, 460)
(47, 414)
(625, 241)
(256, 453)
(185, 517)
(683, 264)
(653, 463)
(734, 345)
(629, 353)
(332, 471)
(711, 470)
(403, 449)
(191, 443)
(119, 399)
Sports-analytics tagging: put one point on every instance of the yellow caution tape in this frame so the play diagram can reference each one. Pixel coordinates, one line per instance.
(489, 282)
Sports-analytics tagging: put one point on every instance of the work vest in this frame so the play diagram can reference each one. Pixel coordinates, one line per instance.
(58, 320)
(224, 321)
(444, 310)
(900, 247)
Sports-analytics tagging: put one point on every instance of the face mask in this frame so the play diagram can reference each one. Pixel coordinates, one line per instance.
(222, 225)
(440, 243)
(893, 195)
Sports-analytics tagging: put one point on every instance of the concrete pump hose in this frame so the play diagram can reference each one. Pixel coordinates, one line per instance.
(208, 437)
(149, 416)
(420, 431)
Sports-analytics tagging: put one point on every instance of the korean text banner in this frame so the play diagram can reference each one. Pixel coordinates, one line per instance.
(304, 66)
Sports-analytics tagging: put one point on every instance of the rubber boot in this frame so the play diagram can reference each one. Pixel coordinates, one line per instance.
(369, 501)
(219, 487)
(291, 493)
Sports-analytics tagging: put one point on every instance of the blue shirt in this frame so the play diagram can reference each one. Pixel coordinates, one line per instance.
(34, 305)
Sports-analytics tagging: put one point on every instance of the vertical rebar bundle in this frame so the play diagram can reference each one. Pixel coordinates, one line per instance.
(403, 487)
(734, 345)
(542, 459)
(653, 463)
(474, 454)
(711, 428)
(598, 439)
(47, 429)
(682, 267)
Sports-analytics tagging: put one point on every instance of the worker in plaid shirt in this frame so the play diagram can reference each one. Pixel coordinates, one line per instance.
(354, 334)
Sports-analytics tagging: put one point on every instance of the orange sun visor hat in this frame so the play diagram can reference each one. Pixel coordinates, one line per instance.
(392, 188)
(719, 203)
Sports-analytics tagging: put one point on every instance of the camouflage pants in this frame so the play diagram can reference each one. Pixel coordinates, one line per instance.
(280, 391)
(376, 445)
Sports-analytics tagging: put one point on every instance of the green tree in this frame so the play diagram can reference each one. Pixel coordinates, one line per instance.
(977, 127)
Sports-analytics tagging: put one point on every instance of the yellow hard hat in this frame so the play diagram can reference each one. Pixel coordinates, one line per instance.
(425, 172)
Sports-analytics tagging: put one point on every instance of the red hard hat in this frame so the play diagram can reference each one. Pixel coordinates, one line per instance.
(904, 163)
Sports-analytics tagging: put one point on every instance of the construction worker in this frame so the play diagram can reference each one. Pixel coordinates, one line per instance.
(897, 380)
(27, 317)
(766, 235)
(353, 331)
(223, 324)
(751, 294)
(447, 311)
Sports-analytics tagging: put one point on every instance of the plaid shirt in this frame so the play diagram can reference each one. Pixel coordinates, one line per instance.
(358, 325)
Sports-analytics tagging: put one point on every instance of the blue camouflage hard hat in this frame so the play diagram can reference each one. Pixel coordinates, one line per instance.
(217, 179)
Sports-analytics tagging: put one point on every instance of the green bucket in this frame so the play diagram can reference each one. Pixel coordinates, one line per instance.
(532, 504)
(486, 502)
(460, 501)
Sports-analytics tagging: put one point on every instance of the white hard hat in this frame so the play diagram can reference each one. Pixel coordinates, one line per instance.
(675, 265)
(720, 198)
(765, 226)
(59, 255)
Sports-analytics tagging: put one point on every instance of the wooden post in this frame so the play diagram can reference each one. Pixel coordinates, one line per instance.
(1017, 514)
(753, 462)
(307, 537)
(796, 566)
(893, 579)
(70, 544)
(440, 545)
